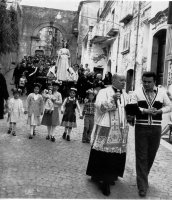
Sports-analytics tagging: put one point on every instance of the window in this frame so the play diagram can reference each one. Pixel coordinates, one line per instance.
(126, 43)
(113, 15)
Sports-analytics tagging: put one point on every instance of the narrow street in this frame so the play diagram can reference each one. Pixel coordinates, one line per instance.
(39, 168)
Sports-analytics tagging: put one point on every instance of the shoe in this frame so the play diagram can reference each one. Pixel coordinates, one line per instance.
(106, 189)
(53, 139)
(68, 138)
(142, 193)
(87, 141)
(30, 137)
(112, 183)
(64, 136)
(13, 133)
(9, 131)
(94, 179)
(48, 137)
(83, 141)
(34, 133)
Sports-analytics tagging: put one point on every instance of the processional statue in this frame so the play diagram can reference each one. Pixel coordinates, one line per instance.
(63, 63)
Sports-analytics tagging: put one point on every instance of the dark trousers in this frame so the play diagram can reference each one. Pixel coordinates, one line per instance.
(147, 140)
(88, 127)
(1, 108)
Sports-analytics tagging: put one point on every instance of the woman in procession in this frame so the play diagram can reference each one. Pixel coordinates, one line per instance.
(51, 119)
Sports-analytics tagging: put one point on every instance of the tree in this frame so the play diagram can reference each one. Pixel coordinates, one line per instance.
(9, 30)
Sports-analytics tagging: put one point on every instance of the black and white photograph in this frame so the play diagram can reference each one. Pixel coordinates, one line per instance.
(85, 99)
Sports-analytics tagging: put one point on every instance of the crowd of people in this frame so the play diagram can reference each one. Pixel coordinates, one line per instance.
(107, 112)
(32, 69)
(43, 70)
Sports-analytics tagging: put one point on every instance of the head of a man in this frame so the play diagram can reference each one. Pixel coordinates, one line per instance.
(99, 76)
(76, 67)
(149, 79)
(118, 81)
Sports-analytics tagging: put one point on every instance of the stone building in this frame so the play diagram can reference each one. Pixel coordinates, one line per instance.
(87, 17)
(38, 21)
(130, 37)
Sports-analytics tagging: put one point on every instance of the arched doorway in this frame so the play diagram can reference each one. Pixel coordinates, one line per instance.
(48, 37)
(48, 40)
(129, 80)
(109, 66)
(158, 55)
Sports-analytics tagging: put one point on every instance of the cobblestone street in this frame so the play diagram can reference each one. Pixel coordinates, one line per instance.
(38, 168)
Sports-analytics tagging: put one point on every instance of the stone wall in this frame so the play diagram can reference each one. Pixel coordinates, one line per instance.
(36, 18)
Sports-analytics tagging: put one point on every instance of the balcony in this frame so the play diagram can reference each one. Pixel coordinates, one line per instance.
(99, 39)
(127, 12)
(98, 33)
(126, 18)
(111, 29)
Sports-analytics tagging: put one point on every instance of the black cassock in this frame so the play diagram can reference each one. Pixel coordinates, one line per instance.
(3, 95)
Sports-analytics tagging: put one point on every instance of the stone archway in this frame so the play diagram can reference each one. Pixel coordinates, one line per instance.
(36, 42)
(46, 24)
(36, 18)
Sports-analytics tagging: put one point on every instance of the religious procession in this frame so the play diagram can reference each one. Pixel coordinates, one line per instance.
(82, 124)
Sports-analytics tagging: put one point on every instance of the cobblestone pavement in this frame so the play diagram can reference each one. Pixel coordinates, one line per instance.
(38, 168)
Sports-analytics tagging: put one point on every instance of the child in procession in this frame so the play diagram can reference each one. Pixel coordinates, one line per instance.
(34, 109)
(88, 114)
(69, 115)
(15, 110)
(51, 119)
(48, 97)
(22, 83)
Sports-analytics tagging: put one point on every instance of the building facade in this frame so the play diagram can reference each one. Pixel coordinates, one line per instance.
(87, 18)
(130, 37)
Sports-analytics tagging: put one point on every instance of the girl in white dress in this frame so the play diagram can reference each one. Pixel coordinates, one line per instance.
(15, 110)
(34, 109)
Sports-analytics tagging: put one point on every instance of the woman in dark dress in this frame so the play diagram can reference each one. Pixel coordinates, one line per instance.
(51, 120)
(16, 75)
(108, 79)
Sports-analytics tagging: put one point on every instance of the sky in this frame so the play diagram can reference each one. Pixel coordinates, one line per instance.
(57, 4)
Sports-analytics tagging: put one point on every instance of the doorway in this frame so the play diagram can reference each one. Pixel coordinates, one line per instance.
(158, 55)
(129, 80)
(109, 66)
(98, 70)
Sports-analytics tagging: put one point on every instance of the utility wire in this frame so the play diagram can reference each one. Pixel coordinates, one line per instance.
(103, 20)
